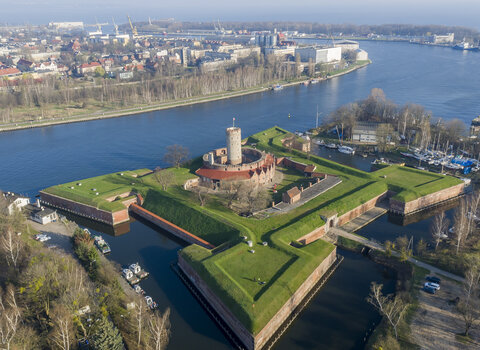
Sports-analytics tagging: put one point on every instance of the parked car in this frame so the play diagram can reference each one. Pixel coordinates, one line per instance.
(429, 290)
(433, 279)
(435, 286)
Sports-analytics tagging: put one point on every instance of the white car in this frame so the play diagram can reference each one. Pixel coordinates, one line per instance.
(435, 286)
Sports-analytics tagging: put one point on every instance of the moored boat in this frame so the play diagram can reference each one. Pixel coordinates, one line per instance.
(130, 277)
(346, 150)
(102, 245)
(331, 145)
(277, 87)
(137, 270)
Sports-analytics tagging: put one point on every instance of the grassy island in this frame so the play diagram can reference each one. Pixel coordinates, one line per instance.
(254, 286)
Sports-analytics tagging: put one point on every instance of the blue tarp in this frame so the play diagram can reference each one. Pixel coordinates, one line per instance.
(462, 162)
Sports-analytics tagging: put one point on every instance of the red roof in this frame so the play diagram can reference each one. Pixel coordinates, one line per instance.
(89, 65)
(224, 175)
(9, 71)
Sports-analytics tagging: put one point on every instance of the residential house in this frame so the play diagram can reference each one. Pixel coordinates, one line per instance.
(88, 68)
(9, 202)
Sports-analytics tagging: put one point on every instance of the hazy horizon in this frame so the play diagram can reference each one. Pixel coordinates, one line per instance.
(460, 13)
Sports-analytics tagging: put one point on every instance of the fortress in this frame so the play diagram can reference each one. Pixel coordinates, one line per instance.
(236, 164)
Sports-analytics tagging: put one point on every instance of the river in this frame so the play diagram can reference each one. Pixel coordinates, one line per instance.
(441, 79)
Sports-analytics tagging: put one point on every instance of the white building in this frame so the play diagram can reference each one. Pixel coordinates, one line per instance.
(9, 202)
(362, 55)
(44, 215)
(281, 51)
(444, 39)
(348, 45)
(319, 55)
(66, 25)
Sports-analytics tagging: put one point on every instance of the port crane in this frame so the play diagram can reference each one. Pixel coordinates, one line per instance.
(132, 27)
(115, 26)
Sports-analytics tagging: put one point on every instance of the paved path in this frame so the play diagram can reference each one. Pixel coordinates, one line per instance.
(374, 245)
(307, 195)
(365, 219)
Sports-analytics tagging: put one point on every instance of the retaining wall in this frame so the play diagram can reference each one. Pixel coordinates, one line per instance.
(250, 341)
(426, 201)
(88, 211)
(170, 227)
(352, 214)
(313, 236)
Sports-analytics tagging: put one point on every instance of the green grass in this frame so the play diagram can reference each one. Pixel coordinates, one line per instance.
(189, 218)
(230, 271)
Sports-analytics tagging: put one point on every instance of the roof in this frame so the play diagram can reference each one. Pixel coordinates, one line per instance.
(43, 212)
(215, 174)
(371, 126)
(293, 192)
(9, 197)
(310, 168)
(89, 65)
(9, 71)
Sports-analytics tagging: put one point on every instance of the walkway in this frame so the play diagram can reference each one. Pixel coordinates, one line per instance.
(374, 245)
(366, 218)
(307, 195)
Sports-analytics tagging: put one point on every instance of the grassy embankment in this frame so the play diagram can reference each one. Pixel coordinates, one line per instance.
(234, 274)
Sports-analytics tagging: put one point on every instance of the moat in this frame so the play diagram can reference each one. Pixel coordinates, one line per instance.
(33, 157)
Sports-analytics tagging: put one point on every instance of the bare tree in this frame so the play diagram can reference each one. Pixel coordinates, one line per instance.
(140, 318)
(11, 245)
(201, 194)
(164, 177)
(389, 306)
(472, 206)
(232, 193)
(159, 327)
(176, 155)
(460, 222)
(253, 197)
(63, 334)
(10, 317)
(439, 227)
(469, 305)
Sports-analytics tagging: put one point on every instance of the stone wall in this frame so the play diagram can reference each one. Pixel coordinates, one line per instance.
(313, 236)
(352, 214)
(249, 340)
(88, 211)
(426, 201)
(170, 227)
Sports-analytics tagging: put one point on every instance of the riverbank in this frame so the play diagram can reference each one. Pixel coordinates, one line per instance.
(125, 112)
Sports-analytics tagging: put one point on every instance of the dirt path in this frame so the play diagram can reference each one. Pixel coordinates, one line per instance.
(436, 321)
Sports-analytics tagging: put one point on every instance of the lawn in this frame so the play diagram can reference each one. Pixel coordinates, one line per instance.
(231, 271)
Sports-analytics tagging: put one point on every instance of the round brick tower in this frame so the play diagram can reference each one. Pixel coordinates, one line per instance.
(234, 145)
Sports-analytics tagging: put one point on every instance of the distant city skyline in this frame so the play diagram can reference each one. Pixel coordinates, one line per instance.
(460, 12)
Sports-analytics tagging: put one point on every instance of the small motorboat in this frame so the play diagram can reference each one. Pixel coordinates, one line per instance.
(151, 303)
(137, 270)
(331, 145)
(130, 277)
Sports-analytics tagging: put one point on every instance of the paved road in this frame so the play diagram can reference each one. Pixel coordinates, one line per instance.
(374, 245)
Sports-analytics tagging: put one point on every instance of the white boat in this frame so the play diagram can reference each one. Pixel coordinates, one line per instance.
(138, 289)
(346, 150)
(331, 145)
(314, 81)
(277, 87)
(130, 277)
(137, 270)
(151, 304)
(319, 142)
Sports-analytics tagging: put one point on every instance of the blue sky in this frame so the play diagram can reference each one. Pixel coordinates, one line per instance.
(459, 12)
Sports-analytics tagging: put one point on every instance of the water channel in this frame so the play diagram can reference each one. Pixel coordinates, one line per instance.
(443, 80)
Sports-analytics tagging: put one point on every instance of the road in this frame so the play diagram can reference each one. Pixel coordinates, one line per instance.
(374, 245)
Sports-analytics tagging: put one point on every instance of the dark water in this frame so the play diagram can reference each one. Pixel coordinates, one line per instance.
(444, 80)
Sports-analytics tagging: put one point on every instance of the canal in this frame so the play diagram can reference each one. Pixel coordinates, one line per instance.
(442, 79)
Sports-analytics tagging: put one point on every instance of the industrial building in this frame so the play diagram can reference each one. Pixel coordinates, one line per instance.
(319, 54)
(444, 39)
(236, 164)
(365, 132)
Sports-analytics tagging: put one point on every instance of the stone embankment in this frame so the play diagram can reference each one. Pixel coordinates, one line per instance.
(259, 340)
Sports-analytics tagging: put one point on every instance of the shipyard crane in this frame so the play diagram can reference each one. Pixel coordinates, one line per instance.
(115, 26)
(98, 25)
(133, 28)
